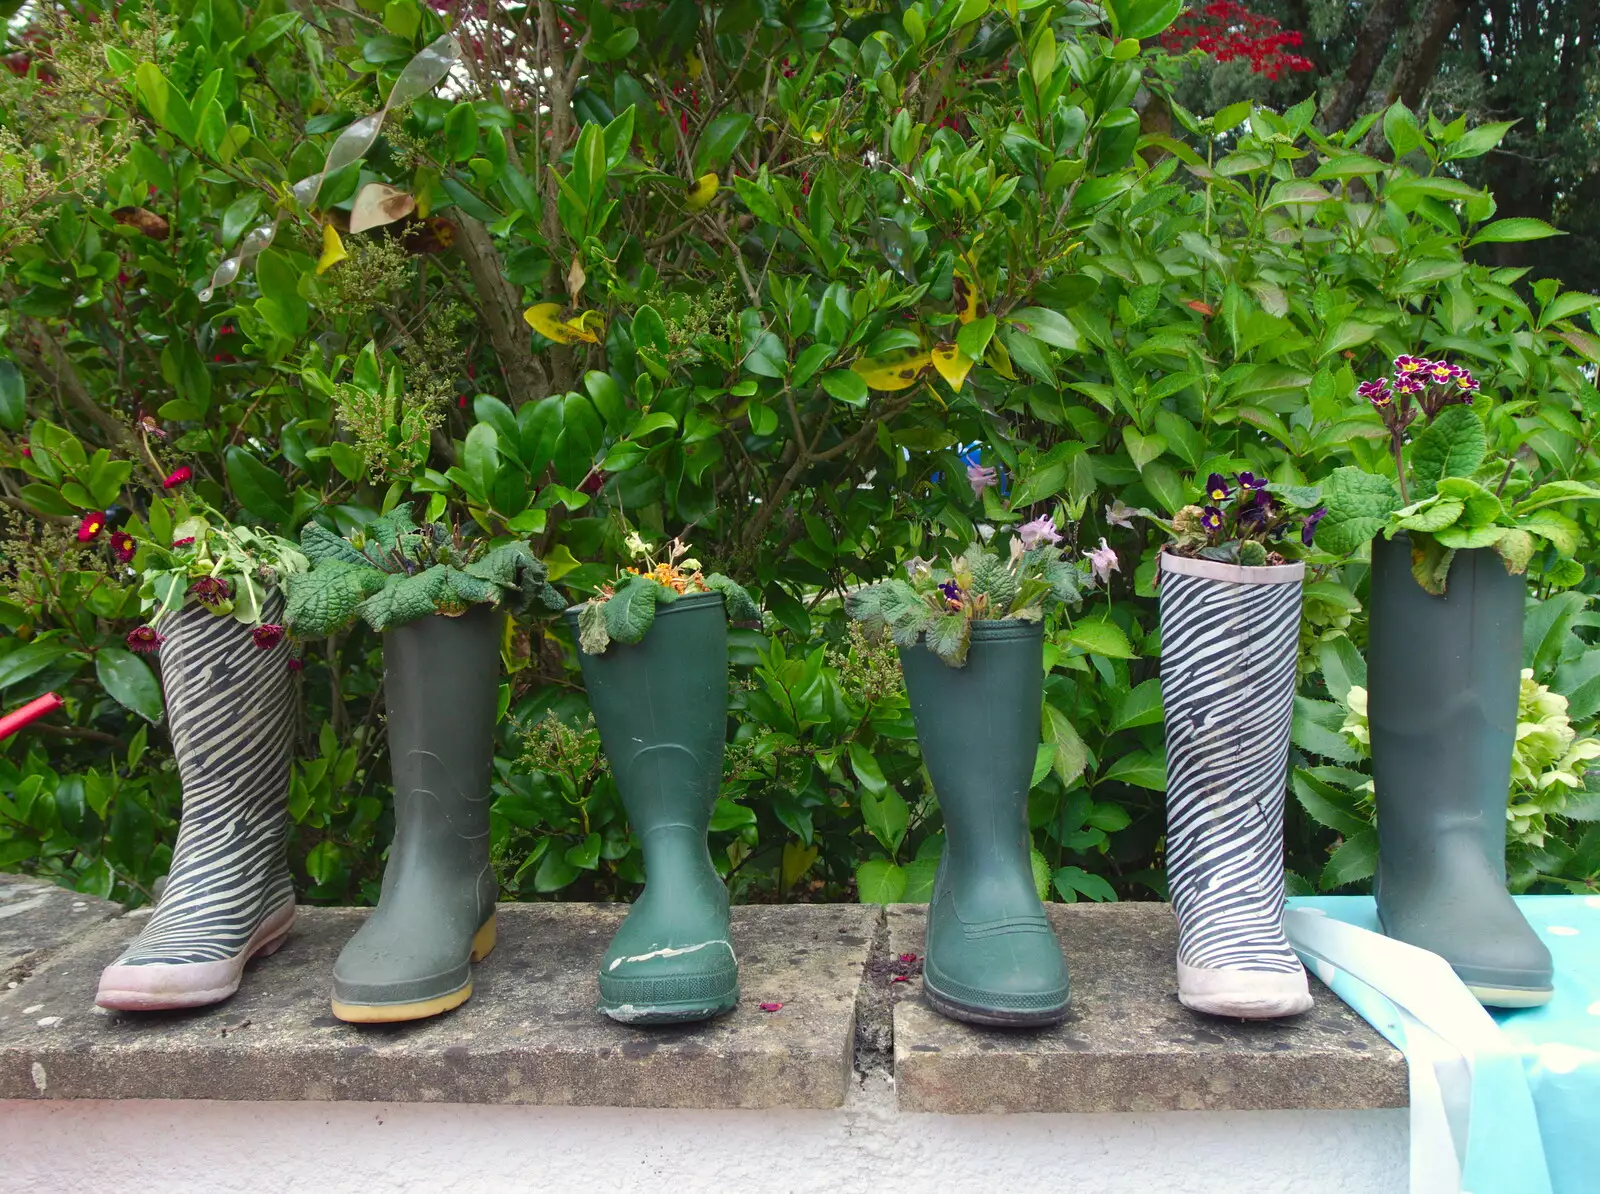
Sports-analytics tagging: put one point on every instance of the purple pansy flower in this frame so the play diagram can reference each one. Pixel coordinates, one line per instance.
(1217, 489)
(1308, 530)
(1251, 483)
(1211, 520)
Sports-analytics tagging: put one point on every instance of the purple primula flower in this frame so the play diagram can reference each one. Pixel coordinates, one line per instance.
(1404, 366)
(1465, 382)
(1256, 515)
(1211, 520)
(1251, 483)
(1103, 561)
(1410, 383)
(1308, 530)
(1217, 489)
(1037, 533)
(981, 477)
(144, 640)
(1376, 392)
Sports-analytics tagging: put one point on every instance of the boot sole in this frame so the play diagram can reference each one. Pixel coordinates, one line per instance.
(267, 940)
(990, 1017)
(697, 1003)
(1511, 996)
(483, 942)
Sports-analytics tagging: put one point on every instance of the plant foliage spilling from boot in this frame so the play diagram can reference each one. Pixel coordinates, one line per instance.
(625, 610)
(393, 572)
(1448, 492)
(1246, 522)
(941, 604)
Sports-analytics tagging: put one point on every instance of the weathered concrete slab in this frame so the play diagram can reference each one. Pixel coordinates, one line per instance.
(1129, 1044)
(529, 1034)
(38, 918)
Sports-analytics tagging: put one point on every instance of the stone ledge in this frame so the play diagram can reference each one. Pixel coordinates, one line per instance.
(1128, 1044)
(530, 1033)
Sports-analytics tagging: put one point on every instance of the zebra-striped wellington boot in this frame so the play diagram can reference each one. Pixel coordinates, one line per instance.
(992, 957)
(228, 895)
(435, 916)
(1228, 644)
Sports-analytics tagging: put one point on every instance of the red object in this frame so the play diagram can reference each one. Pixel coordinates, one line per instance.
(29, 713)
(1227, 30)
(771, 1007)
(178, 477)
(91, 526)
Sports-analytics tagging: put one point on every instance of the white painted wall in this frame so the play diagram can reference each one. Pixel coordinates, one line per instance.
(868, 1146)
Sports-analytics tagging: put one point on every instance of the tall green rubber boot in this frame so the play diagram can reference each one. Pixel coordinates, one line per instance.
(992, 957)
(435, 916)
(1444, 676)
(662, 709)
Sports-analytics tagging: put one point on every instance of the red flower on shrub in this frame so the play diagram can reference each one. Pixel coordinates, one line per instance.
(91, 526)
(1228, 31)
(145, 640)
(267, 635)
(123, 546)
(177, 477)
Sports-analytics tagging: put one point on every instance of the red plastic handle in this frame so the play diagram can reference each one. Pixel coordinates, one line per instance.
(29, 713)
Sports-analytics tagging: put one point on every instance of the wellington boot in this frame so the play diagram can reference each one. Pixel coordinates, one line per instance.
(435, 914)
(228, 896)
(1444, 676)
(662, 709)
(1229, 637)
(992, 957)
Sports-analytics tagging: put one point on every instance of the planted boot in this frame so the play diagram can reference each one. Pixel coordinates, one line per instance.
(435, 916)
(228, 896)
(1228, 644)
(1445, 675)
(992, 957)
(662, 709)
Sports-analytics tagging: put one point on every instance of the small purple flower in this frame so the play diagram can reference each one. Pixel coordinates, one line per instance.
(1103, 561)
(1441, 372)
(1217, 489)
(1465, 382)
(1404, 365)
(1211, 520)
(145, 640)
(1410, 383)
(1037, 533)
(981, 477)
(1376, 392)
(267, 636)
(1258, 513)
(952, 592)
(1308, 530)
(1251, 483)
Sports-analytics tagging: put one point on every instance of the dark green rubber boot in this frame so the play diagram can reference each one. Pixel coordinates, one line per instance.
(436, 913)
(662, 709)
(1444, 675)
(992, 957)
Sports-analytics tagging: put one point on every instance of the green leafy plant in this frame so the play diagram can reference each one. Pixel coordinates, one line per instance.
(624, 611)
(941, 604)
(1440, 495)
(393, 572)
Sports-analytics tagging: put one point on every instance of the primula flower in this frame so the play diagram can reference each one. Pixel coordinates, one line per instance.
(1211, 520)
(981, 477)
(1410, 383)
(91, 526)
(1404, 365)
(296, 663)
(1038, 532)
(1217, 489)
(186, 541)
(145, 640)
(1441, 372)
(1103, 561)
(210, 590)
(123, 546)
(1465, 382)
(267, 635)
(1251, 483)
(1308, 529)
(1376, 392)
(177, 477)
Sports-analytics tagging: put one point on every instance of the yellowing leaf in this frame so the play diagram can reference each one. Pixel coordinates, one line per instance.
(378, 204)
(545, 318)
(560, 561)
(952, 364)
(332, 249)
(695, 66)
(894, 371)
(703, 191)
(998, 359)
(969, 305)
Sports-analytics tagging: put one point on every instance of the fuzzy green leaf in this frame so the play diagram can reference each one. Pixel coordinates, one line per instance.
(326, 599)
(406, 598)
(1359, 505)
(1557, 528)
(948, 638)
(1516, 549)
(321, 544)
(1463, 538)
(593, 638)
(1430, 563)
(740, 605)
(1432, 515)
(631, 610)
(1556, 492)
(1453, 445)
(521, 579)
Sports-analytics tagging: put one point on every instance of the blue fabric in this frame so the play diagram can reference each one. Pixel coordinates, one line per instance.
(1558, 1046)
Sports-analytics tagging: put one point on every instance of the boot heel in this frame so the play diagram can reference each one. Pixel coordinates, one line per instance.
(483, 941)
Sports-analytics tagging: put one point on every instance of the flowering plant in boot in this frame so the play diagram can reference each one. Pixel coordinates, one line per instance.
(1448, 492)
(941, 604)
(210, 563)
(1247, 520)
(625, 609)
(392, 572)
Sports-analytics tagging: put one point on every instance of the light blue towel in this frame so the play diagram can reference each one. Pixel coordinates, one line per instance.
(1535, 1093)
